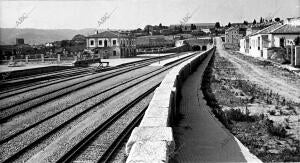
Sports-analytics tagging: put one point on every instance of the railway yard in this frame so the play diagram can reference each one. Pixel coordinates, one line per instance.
(78, 114)
(87, 114)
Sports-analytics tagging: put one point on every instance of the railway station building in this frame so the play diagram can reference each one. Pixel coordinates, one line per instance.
(111, 44)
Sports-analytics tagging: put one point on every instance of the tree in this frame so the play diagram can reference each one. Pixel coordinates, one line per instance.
(254, 22)
(261, 20)
(245, 22)
(147, 29)
(277, 19)
(229, 25)
(160, 25)
(217, 25)
(193, 27)
(64, 43)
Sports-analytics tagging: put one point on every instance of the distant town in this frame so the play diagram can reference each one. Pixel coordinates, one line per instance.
(248, 37)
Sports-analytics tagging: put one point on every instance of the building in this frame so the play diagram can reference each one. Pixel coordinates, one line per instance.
(276, 35)
(193, 26)
(154, 41)
(109, 44)
(19, 41)
(293, 21)
(19, 50)
(234, 34)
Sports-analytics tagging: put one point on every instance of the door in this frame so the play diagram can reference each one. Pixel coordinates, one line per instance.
(105, 43)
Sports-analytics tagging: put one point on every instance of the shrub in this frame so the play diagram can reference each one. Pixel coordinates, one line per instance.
(238, 115)
(276, 129)
(272, 112)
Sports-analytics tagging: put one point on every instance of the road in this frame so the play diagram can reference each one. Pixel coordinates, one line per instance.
(263, 77)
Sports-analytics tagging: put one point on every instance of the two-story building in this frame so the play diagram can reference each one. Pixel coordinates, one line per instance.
(234, 34)
(109, 44)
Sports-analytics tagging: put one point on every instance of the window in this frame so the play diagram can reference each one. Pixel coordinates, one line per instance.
(114, 42)
(114, 53)
(100, 42)
(92, 42)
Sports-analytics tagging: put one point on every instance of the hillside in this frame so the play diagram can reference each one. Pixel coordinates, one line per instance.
(39, 36)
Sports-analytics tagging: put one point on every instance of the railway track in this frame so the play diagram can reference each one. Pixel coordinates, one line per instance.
(33, 79)
(64, 117)
(17, 106)
(23, 82)
(94, 137)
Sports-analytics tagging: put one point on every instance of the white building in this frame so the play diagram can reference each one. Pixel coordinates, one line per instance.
(276, 35)
(110, 44)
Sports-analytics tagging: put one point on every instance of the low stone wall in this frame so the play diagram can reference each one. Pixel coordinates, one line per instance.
(179, 49)
(153, 140)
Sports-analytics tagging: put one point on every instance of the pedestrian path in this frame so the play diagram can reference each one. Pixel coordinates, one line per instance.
(199, 136)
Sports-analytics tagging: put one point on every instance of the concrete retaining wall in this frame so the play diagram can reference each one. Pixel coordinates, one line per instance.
(153, 140)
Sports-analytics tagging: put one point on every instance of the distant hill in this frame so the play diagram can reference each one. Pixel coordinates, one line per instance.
(40, 36)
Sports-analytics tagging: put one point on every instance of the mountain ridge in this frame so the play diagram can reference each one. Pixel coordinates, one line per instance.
(40, 36)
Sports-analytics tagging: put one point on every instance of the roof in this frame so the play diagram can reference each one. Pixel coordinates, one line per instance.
(107, 34)
(231, 28)
(287, 29)
(267, 30)
(153, 36)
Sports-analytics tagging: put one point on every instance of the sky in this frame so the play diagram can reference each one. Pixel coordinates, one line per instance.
(132, 14)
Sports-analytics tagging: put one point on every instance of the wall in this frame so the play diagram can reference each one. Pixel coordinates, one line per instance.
(253, 49)
(288, 38)
(243, 46)
(153, 140)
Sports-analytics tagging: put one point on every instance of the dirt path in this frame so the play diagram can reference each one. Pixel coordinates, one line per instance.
(262, 77)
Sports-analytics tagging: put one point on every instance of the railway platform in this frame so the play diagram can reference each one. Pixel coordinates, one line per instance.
(6, 68)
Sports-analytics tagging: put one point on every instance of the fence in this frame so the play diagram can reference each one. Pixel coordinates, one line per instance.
(40, 58)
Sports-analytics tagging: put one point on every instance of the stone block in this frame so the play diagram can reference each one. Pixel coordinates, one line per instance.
(43, 58)
(162, 121)
(58, 57)
(152, 152)
(150, 134)
(161, 103)
(157, 112)
(162, 94)
(26, 59)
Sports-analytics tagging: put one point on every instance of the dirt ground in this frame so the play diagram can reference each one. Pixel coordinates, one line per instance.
(265, 95)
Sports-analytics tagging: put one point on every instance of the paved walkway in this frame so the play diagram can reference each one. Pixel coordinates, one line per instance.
(118, 61)
(199, 136)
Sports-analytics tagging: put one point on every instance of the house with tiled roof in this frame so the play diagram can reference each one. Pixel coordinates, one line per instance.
(111, 44)
(276, 35)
